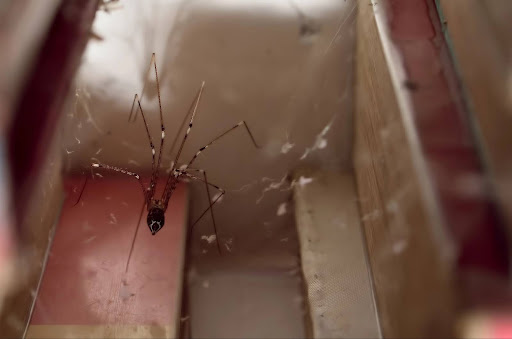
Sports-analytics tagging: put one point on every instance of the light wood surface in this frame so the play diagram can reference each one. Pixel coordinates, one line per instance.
(412, 282)
(333, 256)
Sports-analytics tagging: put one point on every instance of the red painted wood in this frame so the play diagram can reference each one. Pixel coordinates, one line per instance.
(85, 282)
(445, 135)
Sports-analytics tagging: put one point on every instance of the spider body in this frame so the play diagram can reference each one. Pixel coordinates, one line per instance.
(156, 217)
(157, 207)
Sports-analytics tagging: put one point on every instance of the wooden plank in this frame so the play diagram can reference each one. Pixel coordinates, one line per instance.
(486, 71)
(333, 256)
(410, 273)
(86, 284)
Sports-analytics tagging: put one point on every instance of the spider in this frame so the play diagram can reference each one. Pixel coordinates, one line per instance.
(156, 207)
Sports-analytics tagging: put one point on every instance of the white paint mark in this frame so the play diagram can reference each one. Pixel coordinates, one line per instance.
(96, 165)
(374, 215)
(228, 246)
(209, 238)
(77, 140)
(68, 152)
(99, 151)
(86, 227)
(99, 175)
(88, 240)
(281, 210)
(339, 222)
(303, 181)
(286, 147)
(124, 292)
(113, 219)
(399, 246)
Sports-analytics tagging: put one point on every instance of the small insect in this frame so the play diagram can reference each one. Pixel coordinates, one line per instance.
(156, 207)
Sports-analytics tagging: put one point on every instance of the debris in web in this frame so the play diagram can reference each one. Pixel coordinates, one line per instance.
(320, 141)
(272, 186)
(209, 238)
(281, 210)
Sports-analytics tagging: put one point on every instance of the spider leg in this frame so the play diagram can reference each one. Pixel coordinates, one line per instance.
(121, 170)
(81, 192)
(210, 208)
(220, 136)
(133, 116)
(193, 108)
(153, 152)
(135, 237)
(154, 176)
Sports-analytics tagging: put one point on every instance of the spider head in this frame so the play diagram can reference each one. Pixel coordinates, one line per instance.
(156, 219)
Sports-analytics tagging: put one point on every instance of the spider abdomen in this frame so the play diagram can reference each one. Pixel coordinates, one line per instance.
(156, 219)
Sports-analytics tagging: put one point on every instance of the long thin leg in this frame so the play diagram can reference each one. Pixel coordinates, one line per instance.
(133, 116)
(154, 175)
(210, 208)
(162, 127)
(121, 170)
(81, 192)
(153, 152)
(193, 108)
(178, 133)
(220, 136)
(135, 237)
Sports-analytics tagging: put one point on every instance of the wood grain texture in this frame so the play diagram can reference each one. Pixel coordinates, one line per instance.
(412, 282)
(333, 257)
(486, 71)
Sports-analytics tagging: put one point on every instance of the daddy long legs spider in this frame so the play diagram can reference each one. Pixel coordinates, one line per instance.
(156, 206)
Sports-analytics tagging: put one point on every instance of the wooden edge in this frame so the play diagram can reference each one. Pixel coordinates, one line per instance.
(99, 331)
(410, 252)
(333, 256)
